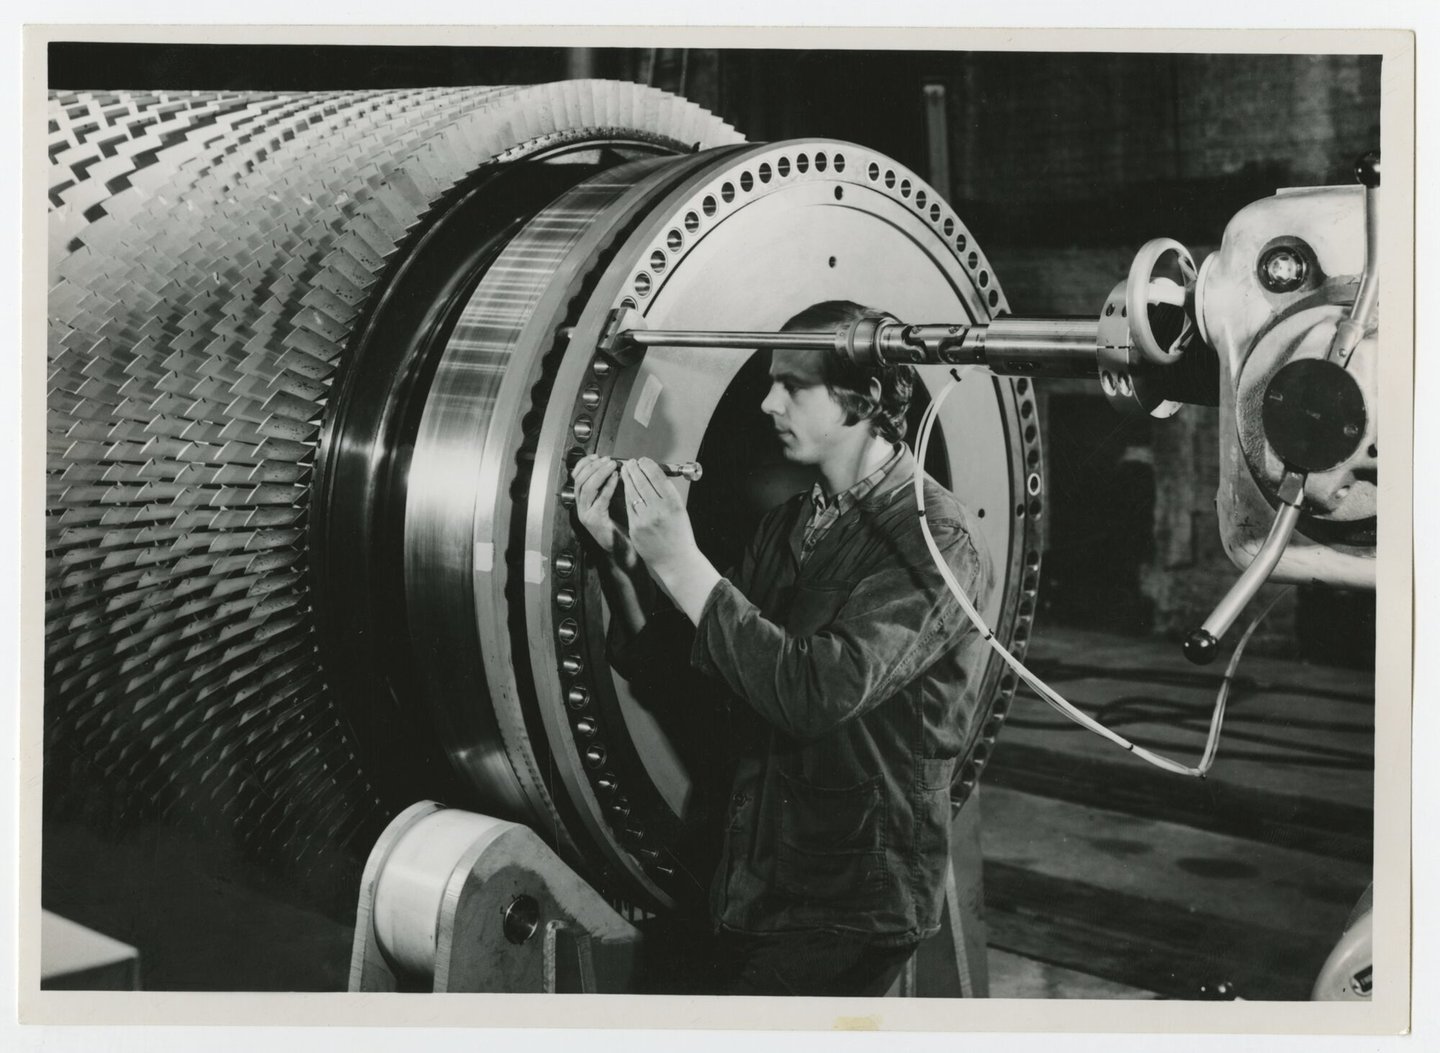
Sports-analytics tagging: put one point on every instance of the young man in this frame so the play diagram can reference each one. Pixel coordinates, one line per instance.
(857, 665)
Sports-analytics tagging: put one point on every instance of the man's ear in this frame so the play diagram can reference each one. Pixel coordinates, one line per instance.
(875, 391)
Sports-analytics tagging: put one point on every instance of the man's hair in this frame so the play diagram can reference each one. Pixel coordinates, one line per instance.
(848, 382)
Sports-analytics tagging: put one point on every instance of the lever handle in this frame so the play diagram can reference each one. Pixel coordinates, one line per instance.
(1202, 645)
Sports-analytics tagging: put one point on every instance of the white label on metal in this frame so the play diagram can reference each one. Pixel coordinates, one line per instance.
(649, 395)
(534, 567)
(484, 556)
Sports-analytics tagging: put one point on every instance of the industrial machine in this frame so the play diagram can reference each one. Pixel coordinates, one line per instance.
(319, 367)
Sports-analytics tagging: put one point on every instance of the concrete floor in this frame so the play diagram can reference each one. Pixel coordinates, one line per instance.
(1103, 878)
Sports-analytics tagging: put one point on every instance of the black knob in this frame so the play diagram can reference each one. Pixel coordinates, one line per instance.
(1367, 169)
(1201, 647)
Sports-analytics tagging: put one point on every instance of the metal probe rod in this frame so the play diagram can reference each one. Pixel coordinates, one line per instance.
(691, 470)
(1032, 347)
(1351, 329)
(745, 341)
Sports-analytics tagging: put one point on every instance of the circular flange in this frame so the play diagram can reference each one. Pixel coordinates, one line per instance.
(465, 474)
(746, 246)
(1314, 414)
(1340, 498)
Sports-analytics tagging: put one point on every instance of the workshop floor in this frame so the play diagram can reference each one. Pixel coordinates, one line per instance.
(1104, 878)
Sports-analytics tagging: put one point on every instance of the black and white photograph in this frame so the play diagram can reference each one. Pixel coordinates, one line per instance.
(829, 528)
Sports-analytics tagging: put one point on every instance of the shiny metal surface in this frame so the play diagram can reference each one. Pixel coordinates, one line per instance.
(1256, 332)
(310, 552)
(1033, 347)
(1041, 347)
(419, 868)
(216, 259)
(463, 475)
(739, 249)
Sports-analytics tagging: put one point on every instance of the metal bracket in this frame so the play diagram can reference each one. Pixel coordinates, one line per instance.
(613, 342)
(569, 960)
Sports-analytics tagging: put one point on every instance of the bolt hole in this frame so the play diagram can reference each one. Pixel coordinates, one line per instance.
(832, 261)
(708, 206)
(1372, 451)
(820, 162)
(783, 167)
(764, 171)
(839, 193)
(802, 164)
(873, 171)
(727, 193)
(674, 240)
(692, 222)
(522, 919)
(747, 182)
(980, 512)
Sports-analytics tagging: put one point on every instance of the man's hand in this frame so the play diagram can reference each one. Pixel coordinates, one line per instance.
(661, 533)
(595, 481)
(659, 524)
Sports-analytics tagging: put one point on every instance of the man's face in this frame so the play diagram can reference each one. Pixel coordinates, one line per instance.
(807, 418)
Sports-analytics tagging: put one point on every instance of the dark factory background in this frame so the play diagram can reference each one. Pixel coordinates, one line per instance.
(1062, 165)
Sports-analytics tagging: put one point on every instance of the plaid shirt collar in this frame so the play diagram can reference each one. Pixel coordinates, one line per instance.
(826, 510)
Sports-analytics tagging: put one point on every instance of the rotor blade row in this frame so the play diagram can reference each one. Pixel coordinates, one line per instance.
(211, 254)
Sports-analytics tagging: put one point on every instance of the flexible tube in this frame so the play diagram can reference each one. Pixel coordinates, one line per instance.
(1042, 689)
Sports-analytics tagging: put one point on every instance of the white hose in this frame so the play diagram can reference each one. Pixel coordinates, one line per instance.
(1042, 689)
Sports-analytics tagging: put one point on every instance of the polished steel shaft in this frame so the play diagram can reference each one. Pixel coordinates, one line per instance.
(1027, 347)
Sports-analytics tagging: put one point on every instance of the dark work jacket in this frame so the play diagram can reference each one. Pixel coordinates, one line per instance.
(863, 669)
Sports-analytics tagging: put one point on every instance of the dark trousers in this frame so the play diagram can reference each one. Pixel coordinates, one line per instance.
(812, 963)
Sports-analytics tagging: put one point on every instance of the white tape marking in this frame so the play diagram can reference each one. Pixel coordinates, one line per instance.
(484, 556)
(534, 567)
(649, 395)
